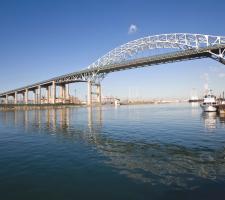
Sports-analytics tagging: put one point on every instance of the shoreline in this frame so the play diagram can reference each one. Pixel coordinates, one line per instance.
(4, 107)
(36, 106)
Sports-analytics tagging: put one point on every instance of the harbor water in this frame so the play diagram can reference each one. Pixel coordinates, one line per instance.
(167, 151)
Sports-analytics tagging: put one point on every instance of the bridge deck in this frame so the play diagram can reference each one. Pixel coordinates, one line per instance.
(81, 76)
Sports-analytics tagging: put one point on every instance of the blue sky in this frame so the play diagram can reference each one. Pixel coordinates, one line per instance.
(46, 38)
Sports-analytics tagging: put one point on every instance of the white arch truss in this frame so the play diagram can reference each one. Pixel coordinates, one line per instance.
(182, 41)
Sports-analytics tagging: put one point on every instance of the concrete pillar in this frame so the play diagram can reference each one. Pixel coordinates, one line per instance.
(39, 94)
(60, 91)
(63, 93)
(6, 99)
(67, 91)
(99, 94)
(53, 92)
(15, 98)
(26, 96)
(48, 94)
(35, 96)
(23, 98)
(89, 93)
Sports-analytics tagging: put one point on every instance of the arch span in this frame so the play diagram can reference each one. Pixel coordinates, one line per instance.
(182, 41)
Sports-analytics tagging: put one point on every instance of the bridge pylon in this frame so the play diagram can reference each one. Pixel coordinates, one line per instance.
(15, 98)
(94, 89)
(53, 92)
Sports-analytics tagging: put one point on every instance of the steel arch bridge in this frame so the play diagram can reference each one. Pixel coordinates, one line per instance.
(187, 46)
(182, 46)
(181, 41)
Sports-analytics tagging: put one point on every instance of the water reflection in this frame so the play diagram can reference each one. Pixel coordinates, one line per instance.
(152, 162)
(194, 109)
(222, 118)
(195, 105)
(210, 119)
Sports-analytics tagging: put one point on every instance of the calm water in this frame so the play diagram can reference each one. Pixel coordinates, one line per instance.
(130, 152)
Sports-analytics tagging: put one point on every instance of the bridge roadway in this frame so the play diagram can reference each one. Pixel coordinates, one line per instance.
(87, 75)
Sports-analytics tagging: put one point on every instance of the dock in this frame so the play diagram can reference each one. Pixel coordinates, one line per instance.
(221, 108)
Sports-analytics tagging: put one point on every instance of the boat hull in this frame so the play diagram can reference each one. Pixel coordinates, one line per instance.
(208, 108)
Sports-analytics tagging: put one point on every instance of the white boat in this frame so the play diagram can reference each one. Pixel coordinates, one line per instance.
(117, 102)
(209, 103)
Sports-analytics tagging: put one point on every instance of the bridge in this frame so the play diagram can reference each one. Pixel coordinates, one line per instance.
(179, 46)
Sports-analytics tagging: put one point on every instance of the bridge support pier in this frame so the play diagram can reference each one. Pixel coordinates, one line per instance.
(48, 94)
(35, 96)
(91, 92)
(15, 98)
(99, 93)
(63, 93)
(39, 94)
(6, 99)
(67, 92)
(26, 96)
(53, 88)
(22, 97)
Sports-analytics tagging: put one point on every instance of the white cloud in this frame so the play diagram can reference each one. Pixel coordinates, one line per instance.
(132, 29)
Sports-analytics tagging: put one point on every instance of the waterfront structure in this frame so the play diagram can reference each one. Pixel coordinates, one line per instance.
(194, 97)
(209, 103)
(189, 46)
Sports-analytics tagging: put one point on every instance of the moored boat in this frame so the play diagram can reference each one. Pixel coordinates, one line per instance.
(209, 103)
(221, 108)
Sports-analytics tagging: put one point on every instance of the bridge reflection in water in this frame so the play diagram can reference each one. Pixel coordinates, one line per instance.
(152, 162)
